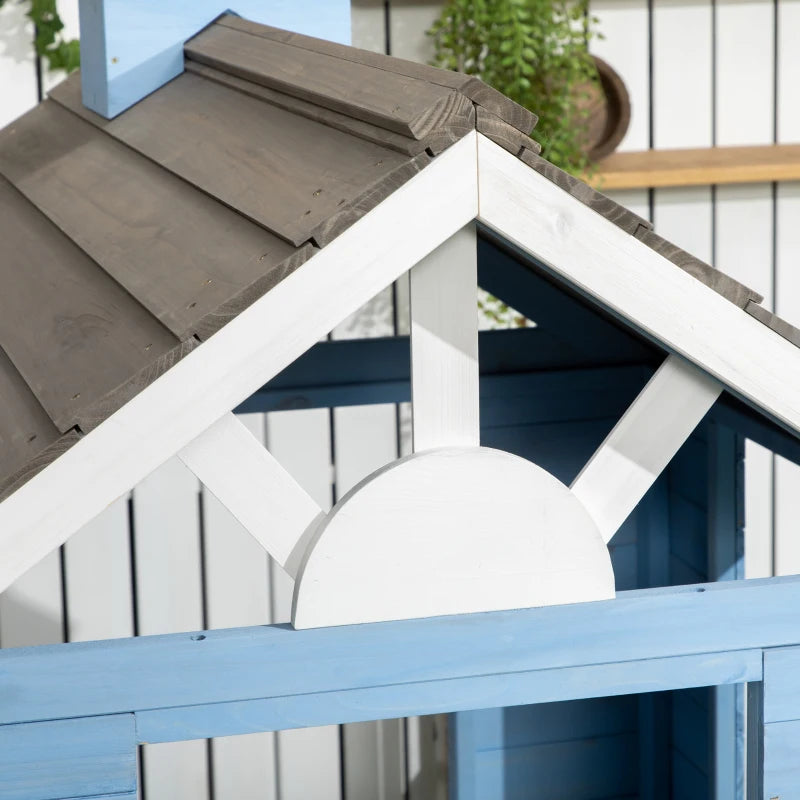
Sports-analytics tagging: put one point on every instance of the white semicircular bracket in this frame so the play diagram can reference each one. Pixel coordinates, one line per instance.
(450, 531)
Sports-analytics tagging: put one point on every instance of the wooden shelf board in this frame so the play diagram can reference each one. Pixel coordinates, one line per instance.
(710, 165)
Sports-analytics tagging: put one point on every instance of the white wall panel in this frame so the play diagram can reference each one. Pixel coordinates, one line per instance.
(787, 475)
(682, 87)
(18, 91)
(787, 271)
(238, 593)
(300, 441)
(744, 71)
(408, 21)
(166, 514)
(626, 47)
(368, 19)
(743, 235)
(30, 609)
(788, 79)
(98, 576)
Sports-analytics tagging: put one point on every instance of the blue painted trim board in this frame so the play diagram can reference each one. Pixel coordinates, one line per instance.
(446, 695)
(780, 755)
(91, 757)
(478, 660)
(129, 49)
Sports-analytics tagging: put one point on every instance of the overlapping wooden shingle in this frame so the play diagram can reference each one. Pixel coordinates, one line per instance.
(127, 243)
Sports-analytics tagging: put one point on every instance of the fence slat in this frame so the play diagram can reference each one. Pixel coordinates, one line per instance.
(308, 759)
(238, 593)
(169, 599)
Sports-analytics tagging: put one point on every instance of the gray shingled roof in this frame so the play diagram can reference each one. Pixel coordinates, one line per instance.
(128, 242)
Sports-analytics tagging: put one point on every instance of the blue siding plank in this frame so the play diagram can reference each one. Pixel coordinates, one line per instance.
(525, 726)
(462, 730)
(688, 781)
(577, 323)
(689, 534)
(446, 663)
(782, 760)
(691, 735)
(782, 684)
(584, 770)
(455, 694)
(93, 757)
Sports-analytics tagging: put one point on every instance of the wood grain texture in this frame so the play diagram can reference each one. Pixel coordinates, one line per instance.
(500, 132)
(25, 428)
(69, 758)
(781, 765)
(222, 315)
(781, 691)
(176, 250)
(643, 442)
(33, 466)
(396, 102)
(780, 326)
(665, 625)
(472, 529)
(723, 284)
(254, 487)
(334, 119)
(91, 416)
(332, 227)
(470, 86)
(283, 171)
(235, 362)
(454, 694)
(619, 215)
(699, 166)
(444, 345)
(72, 332)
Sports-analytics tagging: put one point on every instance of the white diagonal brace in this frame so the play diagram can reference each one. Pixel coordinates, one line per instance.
(444, 344)
(644, 441)
(244, 476)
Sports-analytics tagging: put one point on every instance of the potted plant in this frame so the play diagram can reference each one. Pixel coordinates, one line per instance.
(535, 52)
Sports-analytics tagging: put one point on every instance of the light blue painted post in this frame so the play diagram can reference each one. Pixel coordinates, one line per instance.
(461, 755)
(652, 543)
(129, 49)
(781, 724)
(726, 562)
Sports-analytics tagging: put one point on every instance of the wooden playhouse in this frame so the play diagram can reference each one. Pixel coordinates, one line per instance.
(570, 519)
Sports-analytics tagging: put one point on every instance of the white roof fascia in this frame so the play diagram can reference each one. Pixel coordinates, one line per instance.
(639, 285)
(239, 359)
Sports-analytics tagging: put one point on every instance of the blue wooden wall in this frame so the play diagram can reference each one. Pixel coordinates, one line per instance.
(649, 746)
(551, 395)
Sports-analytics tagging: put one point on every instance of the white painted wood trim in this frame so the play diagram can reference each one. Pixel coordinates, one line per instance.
(638, 284)
(643, 442)
(444, 344)
(237, 360)
(244, 476)
(466, 529)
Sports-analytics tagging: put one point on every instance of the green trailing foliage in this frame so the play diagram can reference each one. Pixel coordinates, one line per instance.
(536, 53)
(50, 44)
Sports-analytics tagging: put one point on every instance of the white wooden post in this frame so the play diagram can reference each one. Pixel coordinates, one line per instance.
(255, 488)
(644, 441)
(444, 344)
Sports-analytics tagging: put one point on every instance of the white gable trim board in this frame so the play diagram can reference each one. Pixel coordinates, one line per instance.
(582, 247)
(237, 360)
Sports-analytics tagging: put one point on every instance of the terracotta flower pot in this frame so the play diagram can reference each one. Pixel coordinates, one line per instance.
(609, 110)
